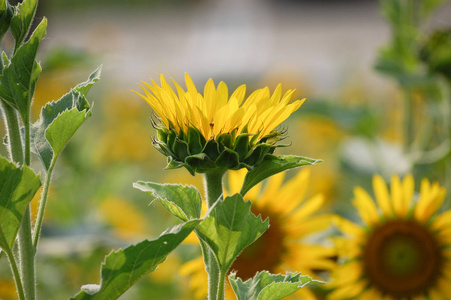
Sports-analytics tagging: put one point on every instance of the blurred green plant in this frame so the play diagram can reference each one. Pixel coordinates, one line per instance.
(420, 62)
(47, 138)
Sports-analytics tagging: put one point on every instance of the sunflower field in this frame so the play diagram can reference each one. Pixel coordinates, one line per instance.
(225, 149)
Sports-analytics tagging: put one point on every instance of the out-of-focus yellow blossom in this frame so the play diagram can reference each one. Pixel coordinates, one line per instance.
(7, 289)
(283, 247)
(127, 221)
(324, 137)
(124, 131)
(402, 249)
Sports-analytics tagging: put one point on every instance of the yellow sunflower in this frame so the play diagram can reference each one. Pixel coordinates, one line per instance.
(214, 112)
(201, 132)
(283, 247)
(402, 251)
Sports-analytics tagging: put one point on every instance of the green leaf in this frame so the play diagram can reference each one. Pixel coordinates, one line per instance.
(6, 13)
(272, 165)
(266, 286)
(22, 19)
(18, 81)
(59, 120)
(18, 186)
(231, 227)
(184, 202)
(123, 268)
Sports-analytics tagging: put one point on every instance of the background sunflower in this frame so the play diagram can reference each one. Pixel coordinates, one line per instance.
(402, 249)
(287, 245)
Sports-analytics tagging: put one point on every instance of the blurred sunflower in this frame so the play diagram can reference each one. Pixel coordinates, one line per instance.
(202, 132)
(126, 219)
(402, 251)
(283, 247)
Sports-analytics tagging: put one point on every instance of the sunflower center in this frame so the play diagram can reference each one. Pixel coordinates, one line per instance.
(402, 258)
(266, 252)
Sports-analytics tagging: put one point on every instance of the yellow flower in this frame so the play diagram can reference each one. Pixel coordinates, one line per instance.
(402, 251)
(283, 247)
(214, 112)
(128, 221)
(212, 130)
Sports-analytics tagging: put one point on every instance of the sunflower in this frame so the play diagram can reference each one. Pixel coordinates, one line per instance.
(283, 247)
(212, 130)
(402, 251)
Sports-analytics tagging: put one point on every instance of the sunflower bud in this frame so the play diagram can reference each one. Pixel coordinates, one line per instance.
(203, 132)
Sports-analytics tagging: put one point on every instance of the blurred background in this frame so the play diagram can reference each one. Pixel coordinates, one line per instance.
(345, 57)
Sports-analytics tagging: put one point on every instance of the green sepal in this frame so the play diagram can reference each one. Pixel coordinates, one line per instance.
(19, 78)
(227, 159)
(59, 120)
(225, 140)
(200, 161)
(6, 14)
(229, 228)
(22, 19)
(173, 164)
(180, 148)
(123, 268)
(266, 286)
(211, 149)
(194, 141)
(184, 202)
(18, 187)
(272, 165)
(242, 146)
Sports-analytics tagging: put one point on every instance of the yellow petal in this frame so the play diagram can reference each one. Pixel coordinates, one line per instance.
(347, 273)
(431, 198)
(307, 209)
(348, 227)
(382, 196)
(408, 188)
(365, 206)
(442, 221)
(348, 291)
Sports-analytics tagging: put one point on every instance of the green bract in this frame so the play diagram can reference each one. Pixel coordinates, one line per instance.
(226, 151)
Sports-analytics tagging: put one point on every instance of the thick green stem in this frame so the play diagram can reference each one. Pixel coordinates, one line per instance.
(213, 187)
(26, 252)
(220, 295)
(27, 142)
(44, 195)
(27, 256)
(16, 274)
(14, 140)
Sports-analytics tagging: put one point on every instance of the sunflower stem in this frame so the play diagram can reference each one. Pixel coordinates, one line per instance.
(16, 274)
(213, 190)
(13, 132)
(42, 205)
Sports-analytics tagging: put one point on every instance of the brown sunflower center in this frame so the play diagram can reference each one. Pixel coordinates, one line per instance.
(266, 252)
(402, 258)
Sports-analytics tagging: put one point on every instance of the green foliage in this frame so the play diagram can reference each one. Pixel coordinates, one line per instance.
(184, 202)
(60, 120)
(18, 186)
(229, 228)
(266, 286)
(19, 78)
(272, 165)
(6, 13)
(123, 268)
(22, 19)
